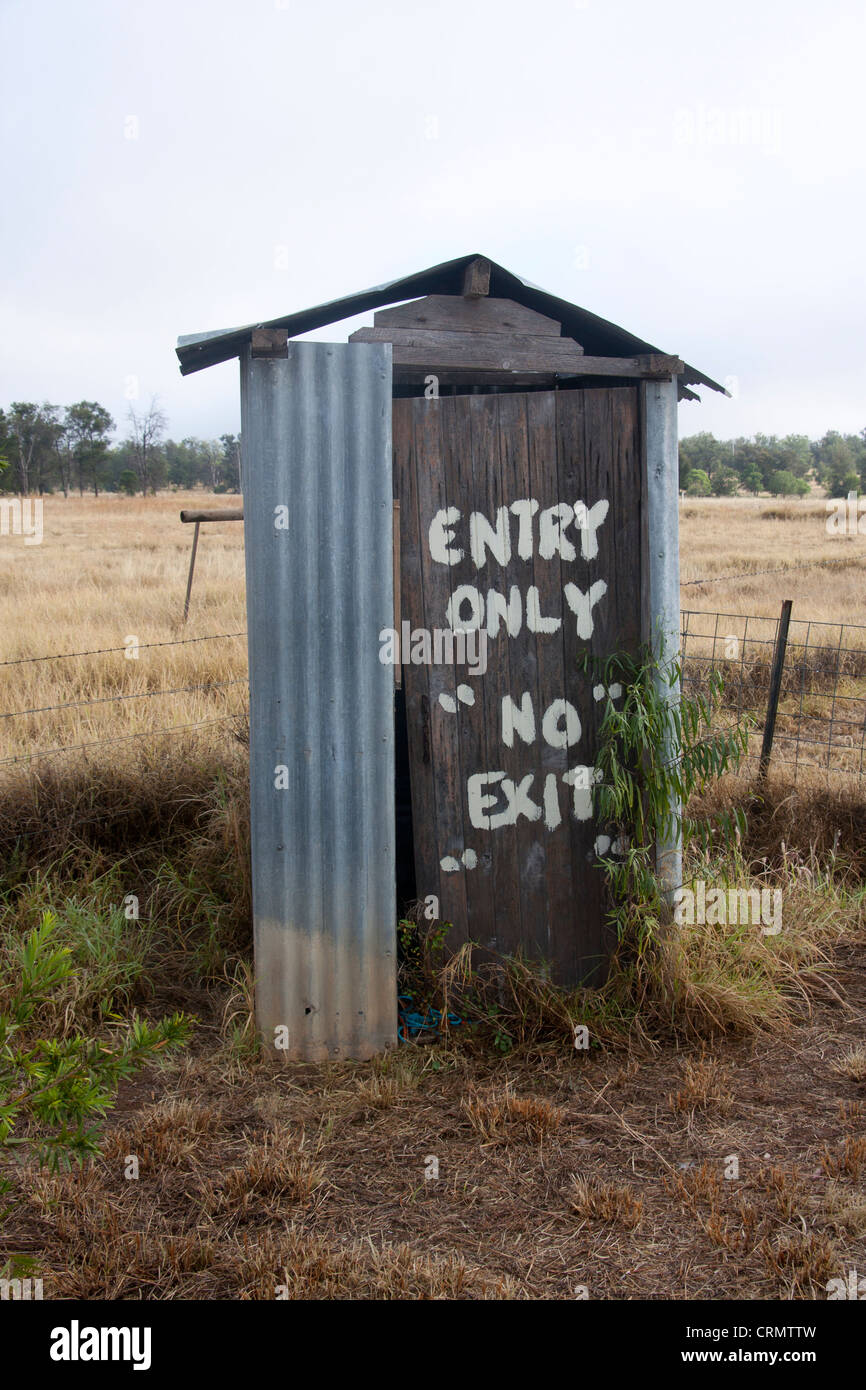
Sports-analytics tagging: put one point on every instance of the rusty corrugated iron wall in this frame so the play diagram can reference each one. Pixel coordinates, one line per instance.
(316, 429)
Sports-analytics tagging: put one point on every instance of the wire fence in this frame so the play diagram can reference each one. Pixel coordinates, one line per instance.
(820, 720)
(847, 561)
(205, 688)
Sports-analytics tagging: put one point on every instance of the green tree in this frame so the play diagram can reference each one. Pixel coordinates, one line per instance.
(186, 462)
(724, 482)
(32, 435)
(795, 455)
(699, 483)
(784, 484)
(835, 462)
(4, 442)
(230, 465)
(87, 425)
(750, 477)
(700, 451)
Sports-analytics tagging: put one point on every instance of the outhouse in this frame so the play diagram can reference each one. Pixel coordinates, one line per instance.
(478, 488)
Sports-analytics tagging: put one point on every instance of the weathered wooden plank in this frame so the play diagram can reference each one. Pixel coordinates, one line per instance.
(579, 451)
(412, 598)
(454, 726)
(556, 908)
(502, 835)
(476, 278)
(441, 350)
(479, 351)
(523, 759)
(412, 603)
(398, 665)
(468, 316)
(417, 376)
(599, 460)
(269, 342)
(436, 491)
(486, 888)
(494, 417)
(657, 365)
(426, 590)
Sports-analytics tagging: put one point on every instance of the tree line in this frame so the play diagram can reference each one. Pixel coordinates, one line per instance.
(48, 448)
(711, 467)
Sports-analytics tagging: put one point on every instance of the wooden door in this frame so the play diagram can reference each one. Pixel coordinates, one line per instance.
(522, 514)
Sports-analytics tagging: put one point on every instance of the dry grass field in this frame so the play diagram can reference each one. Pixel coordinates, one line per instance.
(821, 729)
(111, 569)
(115, 568)
(721, 536)
(560, 1173)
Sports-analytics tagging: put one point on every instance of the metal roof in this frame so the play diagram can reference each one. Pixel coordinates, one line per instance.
(598, 337)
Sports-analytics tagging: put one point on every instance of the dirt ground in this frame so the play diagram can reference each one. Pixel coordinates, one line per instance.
(599, 1174)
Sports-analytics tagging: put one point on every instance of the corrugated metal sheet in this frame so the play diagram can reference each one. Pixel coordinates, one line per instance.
(317, 440)
(596, 335)
(663, 558)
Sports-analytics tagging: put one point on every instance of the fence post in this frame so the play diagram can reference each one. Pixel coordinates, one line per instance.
(659, 447)
(191, 570)
(775, 687)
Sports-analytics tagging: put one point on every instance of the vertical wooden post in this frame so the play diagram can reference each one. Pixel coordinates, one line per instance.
(775, 687)
(398, 667)
(191, 569)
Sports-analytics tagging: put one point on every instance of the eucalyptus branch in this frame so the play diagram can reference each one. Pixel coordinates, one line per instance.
(656, 749)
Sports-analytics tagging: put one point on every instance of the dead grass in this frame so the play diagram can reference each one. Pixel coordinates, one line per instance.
(271, 1169)
(502, 1117)
(852, 1064)
(552, 1171)
(848, 1160)
(110, 569)
(706, 1086)
(807, 826)
(851, 1113)
(597, 1200)
(720, 536)
(801, 1264)
(555, 1165)
(845, 1210)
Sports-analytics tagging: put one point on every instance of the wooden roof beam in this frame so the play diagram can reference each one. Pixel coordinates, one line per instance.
(442, 350)
(476, 278)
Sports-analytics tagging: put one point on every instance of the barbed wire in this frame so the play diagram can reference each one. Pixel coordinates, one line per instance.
(781, 569)
(141, 646)
(125, 738)
(141, 695)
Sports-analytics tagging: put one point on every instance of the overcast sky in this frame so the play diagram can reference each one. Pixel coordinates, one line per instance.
(692, 172)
